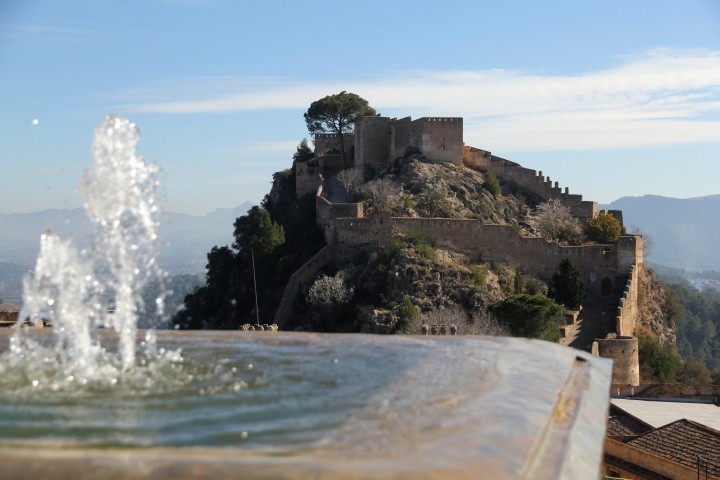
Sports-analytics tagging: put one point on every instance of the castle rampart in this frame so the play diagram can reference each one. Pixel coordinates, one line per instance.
(628, 309)
(529, 180)
(599, 263)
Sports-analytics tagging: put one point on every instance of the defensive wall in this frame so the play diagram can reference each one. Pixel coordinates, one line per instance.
(603, 266)
(628, 309)
(307, 178)
(327, 213)
(531, 180)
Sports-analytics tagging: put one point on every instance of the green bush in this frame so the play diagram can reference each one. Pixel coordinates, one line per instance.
(658, 363)
(478, 275)
(492, 183)
(531, 316)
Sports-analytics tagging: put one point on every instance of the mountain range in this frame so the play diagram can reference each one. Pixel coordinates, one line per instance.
(184, 240)
(685, 232)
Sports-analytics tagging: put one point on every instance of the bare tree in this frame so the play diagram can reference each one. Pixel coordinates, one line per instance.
(554, 222)
(380, 192)
(648, 242)
(351, 180)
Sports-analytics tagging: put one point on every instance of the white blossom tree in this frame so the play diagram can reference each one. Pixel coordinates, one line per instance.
(554, 222)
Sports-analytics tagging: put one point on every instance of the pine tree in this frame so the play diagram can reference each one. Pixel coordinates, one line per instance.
(567, 287)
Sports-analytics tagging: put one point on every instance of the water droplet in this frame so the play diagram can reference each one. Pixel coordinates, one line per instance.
(250, 366)
(35, 383)
(51, 301)
(35, 121)
(244, 435)
(335, 360)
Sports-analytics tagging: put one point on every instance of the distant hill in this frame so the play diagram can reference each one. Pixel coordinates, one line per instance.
(184, 243)
(686, 232)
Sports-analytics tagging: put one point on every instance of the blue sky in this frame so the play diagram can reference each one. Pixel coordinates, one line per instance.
(610, 98)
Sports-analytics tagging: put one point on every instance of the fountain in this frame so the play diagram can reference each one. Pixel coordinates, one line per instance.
(81, 401)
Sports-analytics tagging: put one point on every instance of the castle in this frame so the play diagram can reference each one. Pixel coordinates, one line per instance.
(610, 272)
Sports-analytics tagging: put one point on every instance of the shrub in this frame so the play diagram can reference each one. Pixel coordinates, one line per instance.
(531, 316)
(492, 183)
(658, 363)
(432, 203)
(329, 291)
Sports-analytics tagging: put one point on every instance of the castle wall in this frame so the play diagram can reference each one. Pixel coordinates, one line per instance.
(326, 213)
(325, 142)
(307, 179)
(372, 142)
(404, 134)
(628, 309)
(623, 351)
(497, 243)
(441, 138)
(531, 180)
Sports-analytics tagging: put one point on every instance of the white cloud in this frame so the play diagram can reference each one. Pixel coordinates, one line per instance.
(664, 97)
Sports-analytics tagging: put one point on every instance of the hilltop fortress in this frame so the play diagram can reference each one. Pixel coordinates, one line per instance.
(610, 272)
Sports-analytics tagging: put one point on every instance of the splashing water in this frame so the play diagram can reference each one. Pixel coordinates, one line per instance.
(68, 285)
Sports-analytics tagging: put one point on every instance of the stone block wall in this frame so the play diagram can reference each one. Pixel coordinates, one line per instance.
(441, 138)
(325, 142)
(623, 351)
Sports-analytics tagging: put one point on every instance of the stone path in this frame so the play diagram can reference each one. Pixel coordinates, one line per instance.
(589, 324)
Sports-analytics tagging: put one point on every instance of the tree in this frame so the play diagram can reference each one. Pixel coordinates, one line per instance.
(530, 316)
(337, 114)
(351, 180)
(567, 286)
(256, 231)
(303, 152)
(694, 372)
(555, 222)
(603, 229)
(380, 192)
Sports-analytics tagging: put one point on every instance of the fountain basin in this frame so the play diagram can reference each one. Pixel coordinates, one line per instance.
(292, 405)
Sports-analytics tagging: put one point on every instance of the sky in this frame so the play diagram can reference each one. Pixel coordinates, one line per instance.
(610, 98)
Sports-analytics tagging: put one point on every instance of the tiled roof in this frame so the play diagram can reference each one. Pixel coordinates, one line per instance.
(682, 441)
(621, 423)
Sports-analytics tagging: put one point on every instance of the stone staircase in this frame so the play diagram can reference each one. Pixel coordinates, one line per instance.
(336, 192)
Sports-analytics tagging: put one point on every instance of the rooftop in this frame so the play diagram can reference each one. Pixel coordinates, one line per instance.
(683, 442)
(662, 412)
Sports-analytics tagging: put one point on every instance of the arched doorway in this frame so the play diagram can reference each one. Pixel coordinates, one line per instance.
(606, 287)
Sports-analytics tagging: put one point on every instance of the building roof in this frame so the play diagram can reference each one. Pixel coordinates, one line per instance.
(682, 441)
(621, 423)
(8, 308)
(658, 412)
